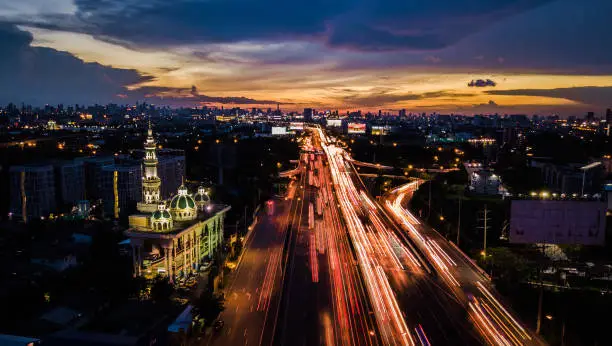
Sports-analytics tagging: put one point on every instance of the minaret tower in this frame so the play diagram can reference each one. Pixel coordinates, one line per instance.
(150, 181)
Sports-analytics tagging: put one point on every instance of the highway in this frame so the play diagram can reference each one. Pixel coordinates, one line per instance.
(253, 291)
(297, 282)
(410, 308)
(328, 265)
(493, 320)
(324, 300)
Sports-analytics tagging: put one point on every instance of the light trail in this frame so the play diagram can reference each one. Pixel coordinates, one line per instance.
(463, 277)
(314, 261)
(389, 318)
(352, 324)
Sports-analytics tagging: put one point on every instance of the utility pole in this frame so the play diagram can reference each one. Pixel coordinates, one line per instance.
(484, 247)
(485, 229)
(245, 219)
(459, 220)
(540, 297)
(429, 201)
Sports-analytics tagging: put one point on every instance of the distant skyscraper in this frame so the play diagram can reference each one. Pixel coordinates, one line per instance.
(402, 112)
(590, 116)
(308, 114)
(609, 115)
(32, 191)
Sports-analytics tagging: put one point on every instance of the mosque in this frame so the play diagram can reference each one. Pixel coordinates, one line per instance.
(174, 237)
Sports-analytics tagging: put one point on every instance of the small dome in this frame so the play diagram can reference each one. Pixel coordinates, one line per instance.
(201, 196)
(182, 206)
(161, 219)
(182, 202)
(161, 214)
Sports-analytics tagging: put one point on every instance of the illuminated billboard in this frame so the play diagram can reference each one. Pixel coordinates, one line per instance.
(334, 123)
(356, 128)
(378, 130)
(557, 222)
(279, 130)
(296, 126)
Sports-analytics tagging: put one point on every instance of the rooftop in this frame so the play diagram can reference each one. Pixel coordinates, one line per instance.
(179, 226)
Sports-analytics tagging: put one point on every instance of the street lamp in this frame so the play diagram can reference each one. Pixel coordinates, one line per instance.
(586, 168)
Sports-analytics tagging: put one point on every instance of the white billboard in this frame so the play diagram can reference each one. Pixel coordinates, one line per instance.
(279, 130)
(296, 126)
(356, 128)
(334, 123)
(557, 222)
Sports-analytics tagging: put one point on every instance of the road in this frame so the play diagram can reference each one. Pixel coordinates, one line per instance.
(253, 291)
(410, 308)
(324, 301)
(328, 265)
(297, 282)
(493, 319)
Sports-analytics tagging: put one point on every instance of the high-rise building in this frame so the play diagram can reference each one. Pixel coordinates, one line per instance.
(171, 171)
(308, 114)
(609, 115)
(32, 191)
(70, 182)
(402, 113)
(93, 174)
(590, 116)
(121, 187)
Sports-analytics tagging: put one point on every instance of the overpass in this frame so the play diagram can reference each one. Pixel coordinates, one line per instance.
(369, 165)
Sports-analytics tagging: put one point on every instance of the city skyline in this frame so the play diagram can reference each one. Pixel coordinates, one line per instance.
(473, 57)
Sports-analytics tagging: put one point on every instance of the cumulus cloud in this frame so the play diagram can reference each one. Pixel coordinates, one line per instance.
(481, 83)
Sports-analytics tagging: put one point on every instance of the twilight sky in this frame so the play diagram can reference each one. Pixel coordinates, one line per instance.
(545, 56)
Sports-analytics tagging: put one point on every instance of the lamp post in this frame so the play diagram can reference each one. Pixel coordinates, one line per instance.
(585, 169)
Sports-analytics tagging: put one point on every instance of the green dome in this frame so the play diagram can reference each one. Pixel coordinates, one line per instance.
(201, 198)
(182, 202)
(161, 214)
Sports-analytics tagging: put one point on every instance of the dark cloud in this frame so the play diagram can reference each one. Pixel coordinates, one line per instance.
(432, 59)
(371, 25)
(599, 96)
(564, 36)
(481, 83)
(41, 75)
(387, 96)
(38, 76)
(188, 97)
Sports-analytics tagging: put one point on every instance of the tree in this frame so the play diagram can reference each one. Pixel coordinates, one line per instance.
(208, 306)
(509, 269)
(161, 290)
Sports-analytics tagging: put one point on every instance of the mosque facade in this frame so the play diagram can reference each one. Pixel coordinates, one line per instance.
(172, 237)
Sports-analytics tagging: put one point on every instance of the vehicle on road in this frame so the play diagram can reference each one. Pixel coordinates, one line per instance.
(218, 325)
